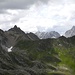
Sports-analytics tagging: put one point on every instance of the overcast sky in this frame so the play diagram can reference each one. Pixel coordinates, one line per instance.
(37, 15)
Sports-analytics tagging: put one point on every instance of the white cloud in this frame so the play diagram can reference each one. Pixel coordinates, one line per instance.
(58, 15)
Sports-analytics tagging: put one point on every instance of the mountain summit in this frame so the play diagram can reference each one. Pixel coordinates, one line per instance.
(45, 35)
(12, 36)
(70, 32)
(16, 30)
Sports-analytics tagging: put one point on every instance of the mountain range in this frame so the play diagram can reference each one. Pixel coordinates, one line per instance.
(54, 34)
(45, 35)
(25, 54)
(70, 32)
(13, 35)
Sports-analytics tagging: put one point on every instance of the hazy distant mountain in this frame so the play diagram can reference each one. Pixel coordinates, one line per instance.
(70, 32)
(45, 35)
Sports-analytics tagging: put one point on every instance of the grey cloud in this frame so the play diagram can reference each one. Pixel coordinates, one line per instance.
(3, 12)
(24, 4)
(18, 4)
(40, 28)
(59, 29)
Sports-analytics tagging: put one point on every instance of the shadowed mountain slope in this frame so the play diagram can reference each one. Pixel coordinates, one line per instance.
(32, 56)
(13, 35)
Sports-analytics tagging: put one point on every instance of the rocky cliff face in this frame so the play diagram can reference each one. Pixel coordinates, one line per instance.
(12, 36)
(70, 32)
(45, 35)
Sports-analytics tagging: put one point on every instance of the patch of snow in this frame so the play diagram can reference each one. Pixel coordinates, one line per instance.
(53, 37)
(10, 49)
(40, 38)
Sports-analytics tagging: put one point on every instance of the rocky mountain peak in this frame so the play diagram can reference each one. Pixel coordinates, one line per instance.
(45, 35)
(73, 28)
(16, 29)
(16, 34)
(15, 26)
(70, 32)
(1, 31)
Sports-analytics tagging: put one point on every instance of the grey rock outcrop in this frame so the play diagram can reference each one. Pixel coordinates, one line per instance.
(12, 36)
(70, 32)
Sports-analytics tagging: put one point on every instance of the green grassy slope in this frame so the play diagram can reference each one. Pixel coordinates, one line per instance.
(66, 52)
(40, 57)
(59, 53)
(41, 53)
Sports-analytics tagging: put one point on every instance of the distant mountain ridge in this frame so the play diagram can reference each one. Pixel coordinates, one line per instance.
(45, 35)
(13, 35)
(70, 32)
